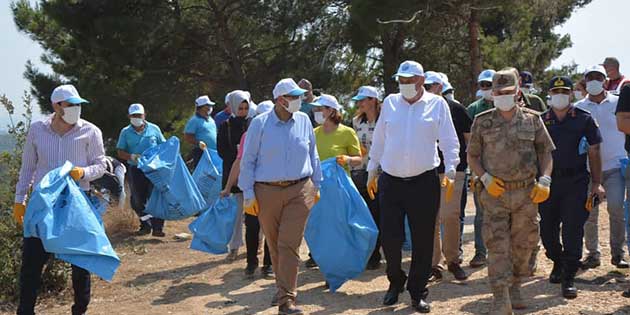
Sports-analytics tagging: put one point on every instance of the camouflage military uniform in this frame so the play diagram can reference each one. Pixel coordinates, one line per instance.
(508, 151)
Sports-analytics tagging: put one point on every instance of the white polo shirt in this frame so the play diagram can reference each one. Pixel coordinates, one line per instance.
(612, 146)
(405, 140)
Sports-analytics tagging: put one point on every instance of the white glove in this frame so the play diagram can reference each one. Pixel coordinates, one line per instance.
(451, 173)
(135, 157)
(544, 181)
(486, 179)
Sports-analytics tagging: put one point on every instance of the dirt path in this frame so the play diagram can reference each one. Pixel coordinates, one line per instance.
(163, 276)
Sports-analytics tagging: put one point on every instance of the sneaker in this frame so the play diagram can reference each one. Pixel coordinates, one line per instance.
(267, 271)
(619, 262)
(436, 275)
(158, 233)
(478, 261)
(310, 263)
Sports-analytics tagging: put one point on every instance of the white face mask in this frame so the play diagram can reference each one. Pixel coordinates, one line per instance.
(578, 95)
(450, 96)
(319, 117)
(294, 105)
(71, 114)
(559, 101)
(408, 91)
(487, 95)
(136, 122)
(594, 87)
(504, 102)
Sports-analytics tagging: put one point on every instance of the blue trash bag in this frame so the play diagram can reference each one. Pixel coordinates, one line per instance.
(212, 230)
(69, 225)
(207, 176)
(624, 166)
(340, 231)
(175, 195)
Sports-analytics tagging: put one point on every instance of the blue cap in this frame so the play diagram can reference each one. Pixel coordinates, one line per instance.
(526, 77)
(486, 76)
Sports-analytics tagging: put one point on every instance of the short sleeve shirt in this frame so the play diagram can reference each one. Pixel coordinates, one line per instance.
(509, 149)
(134, 142)
(623, 106)
(462, 123)
(478, 106)
(204, 129)
(343, 141)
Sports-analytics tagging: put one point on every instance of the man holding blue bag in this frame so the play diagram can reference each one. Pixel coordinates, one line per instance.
(280, 178)
(62, 137)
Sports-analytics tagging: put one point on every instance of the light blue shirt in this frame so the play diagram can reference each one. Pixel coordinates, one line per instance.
(204, 129)
(134, 142)
(278, 151)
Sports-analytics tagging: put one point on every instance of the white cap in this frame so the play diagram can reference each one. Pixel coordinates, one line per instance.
(447, 86)
(596, 68)
(366, 91)
(327, 101)
(486, 76)
(203, 100)
(287, 87)
(409, 69)
(264, 107)
(136, 108)
(66, 93)
(432, 77)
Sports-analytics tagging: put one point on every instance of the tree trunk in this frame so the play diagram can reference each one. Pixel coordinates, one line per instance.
(392, 41)
(475, 49)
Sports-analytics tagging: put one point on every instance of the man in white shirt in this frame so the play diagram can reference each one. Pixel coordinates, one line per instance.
(602, 105)
(405, 146)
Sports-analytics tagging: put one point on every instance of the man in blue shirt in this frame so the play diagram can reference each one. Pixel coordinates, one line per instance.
(134, 139)
(280, 178)
(225, 114)
(201, 131)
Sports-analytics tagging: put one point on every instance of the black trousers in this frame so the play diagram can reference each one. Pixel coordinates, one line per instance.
(252, 233)
(33, 259)
(565, 207)
(419, 199)
(141, 188)
(359, 177)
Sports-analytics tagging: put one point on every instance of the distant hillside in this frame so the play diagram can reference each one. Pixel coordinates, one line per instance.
(6, 142)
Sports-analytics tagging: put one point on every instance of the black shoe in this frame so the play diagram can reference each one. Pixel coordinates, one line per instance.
(421, 306)
(569, 291)
(267, 271)
(478, 261)
(391, 297)
(619, 262)
(289, 309)
(250, 270)
(457, 272)
(626, 293)
(436, 275)
(373, 265)
(556, 273)
(144, 230)
(274, 300)
(590, 262)
(310, 263)
(158, 233)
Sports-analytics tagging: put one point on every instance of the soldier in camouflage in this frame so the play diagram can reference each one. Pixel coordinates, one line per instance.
(509, 146)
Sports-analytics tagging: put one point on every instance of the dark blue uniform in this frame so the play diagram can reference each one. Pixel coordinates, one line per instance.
(569, 187)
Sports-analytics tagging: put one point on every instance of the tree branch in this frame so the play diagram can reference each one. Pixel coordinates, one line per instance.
(379, 21)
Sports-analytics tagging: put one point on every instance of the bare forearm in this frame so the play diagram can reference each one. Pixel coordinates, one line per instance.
(124, 155)
(190, 138)
(355, 160)
(595, 163)
(234, 172)
(546, 163)
(623, 122)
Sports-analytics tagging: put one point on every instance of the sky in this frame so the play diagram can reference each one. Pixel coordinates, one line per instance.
(596, 31)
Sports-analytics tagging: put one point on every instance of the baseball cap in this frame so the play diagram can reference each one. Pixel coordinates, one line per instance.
(447, 86)
(526, 77)
(366, 91)
(264, 107)
(287, 87)
(432, 77)
(203, 100)
(486, 75)
(504, 80)
(136, 108)
(610, 61)
(66, 93)
(560, 82)
(327, 101)
(597, 68)
(409, 69)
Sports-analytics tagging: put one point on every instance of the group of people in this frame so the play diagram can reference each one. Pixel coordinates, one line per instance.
(535, 172)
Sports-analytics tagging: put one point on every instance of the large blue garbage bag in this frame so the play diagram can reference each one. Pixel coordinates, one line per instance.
(175, 195)
(69, 224)
(340, 231)
(207, 176)
(213, 229)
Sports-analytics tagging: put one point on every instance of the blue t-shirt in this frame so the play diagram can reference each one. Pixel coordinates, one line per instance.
(220, 117)
(134, 142)
(204, 129)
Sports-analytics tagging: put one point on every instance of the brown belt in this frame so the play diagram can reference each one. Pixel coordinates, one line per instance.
(518, 184)
(284, 183)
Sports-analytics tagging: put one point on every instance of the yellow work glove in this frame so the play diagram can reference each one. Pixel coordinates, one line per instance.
(494, 186)
(18, 213)
(342, 160)
(589, 204)
(77, 173)
(372, 184)
(202, 145)
(251, 207)
(541, 190)
(448, 182)
(316, 198)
